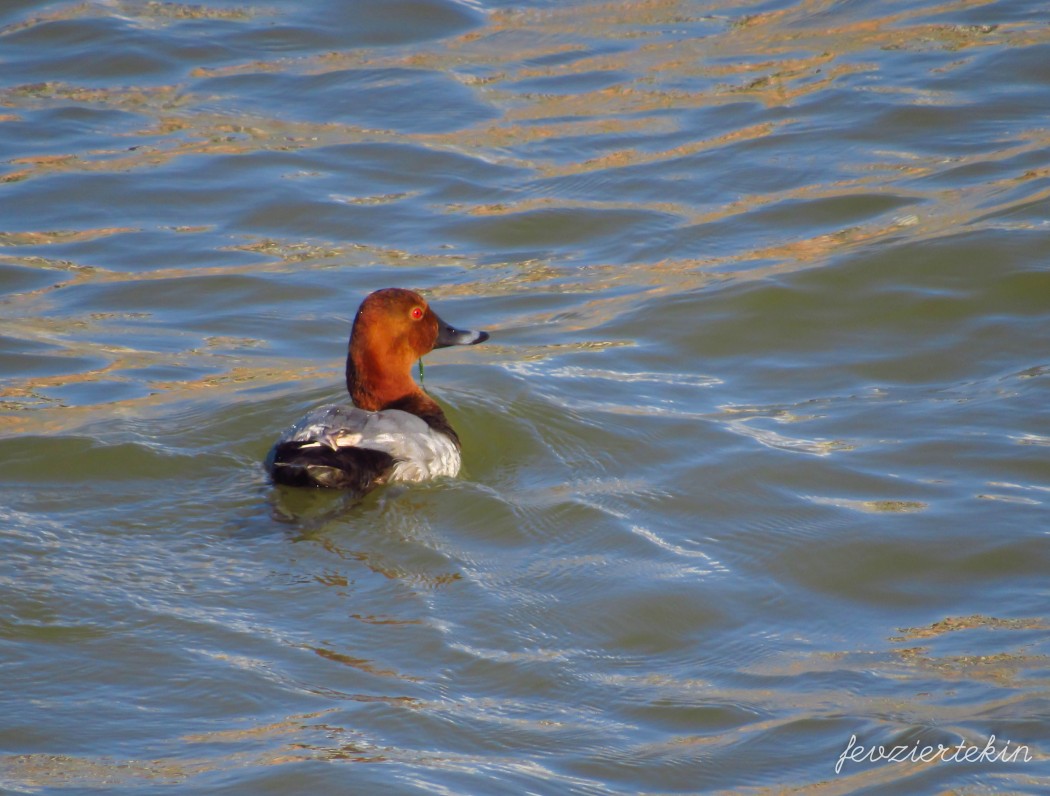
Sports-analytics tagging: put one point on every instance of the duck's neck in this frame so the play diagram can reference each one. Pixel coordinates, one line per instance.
(374, 385)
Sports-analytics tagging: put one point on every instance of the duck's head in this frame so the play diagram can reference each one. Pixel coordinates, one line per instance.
(394, 328)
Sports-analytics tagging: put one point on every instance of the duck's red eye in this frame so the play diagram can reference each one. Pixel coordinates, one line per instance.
(417, 313)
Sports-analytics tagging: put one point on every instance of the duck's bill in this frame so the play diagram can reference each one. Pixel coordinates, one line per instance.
(450, 335)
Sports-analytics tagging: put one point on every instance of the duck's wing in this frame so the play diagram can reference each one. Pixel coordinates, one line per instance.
(333, 426)
(330, 447)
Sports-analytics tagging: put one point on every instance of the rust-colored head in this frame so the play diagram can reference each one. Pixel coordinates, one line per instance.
(393, 328)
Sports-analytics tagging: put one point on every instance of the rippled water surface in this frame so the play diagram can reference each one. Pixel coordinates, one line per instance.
(756, 460)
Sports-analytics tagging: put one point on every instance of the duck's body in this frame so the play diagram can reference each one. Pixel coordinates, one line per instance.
(340, 445)
(395, 432)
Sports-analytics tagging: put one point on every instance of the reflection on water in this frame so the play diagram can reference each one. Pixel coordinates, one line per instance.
(754, 462)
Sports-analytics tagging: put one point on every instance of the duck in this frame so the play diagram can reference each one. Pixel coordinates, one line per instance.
(392, 430)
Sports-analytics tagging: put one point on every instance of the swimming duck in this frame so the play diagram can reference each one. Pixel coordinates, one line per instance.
(394, 431)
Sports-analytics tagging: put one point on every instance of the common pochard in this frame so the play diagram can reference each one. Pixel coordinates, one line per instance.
(394, 431)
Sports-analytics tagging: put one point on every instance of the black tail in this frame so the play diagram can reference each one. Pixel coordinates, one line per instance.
(356, 469)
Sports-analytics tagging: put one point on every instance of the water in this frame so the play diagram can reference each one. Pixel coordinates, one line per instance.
(755, 461)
